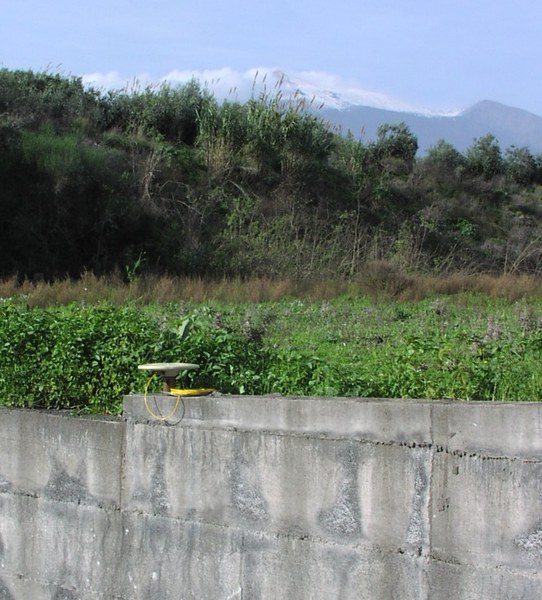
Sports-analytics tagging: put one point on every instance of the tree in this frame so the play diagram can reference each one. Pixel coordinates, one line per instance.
(484, 157)
(520, 165)
(395, 148)
(444, 157)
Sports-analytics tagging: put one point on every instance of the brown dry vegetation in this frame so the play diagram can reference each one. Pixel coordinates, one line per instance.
(379, 282)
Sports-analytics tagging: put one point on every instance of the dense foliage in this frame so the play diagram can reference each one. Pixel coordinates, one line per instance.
(168, 180)
(86, 356)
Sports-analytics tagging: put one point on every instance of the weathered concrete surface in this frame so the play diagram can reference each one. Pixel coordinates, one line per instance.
(51, 455)
(274, 498)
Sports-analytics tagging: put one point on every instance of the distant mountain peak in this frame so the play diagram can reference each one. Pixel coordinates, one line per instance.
(328, 91)
(362, 111)
(510, 126)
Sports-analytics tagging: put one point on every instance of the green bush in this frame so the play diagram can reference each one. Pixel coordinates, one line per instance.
(86, 357)
(72, 356)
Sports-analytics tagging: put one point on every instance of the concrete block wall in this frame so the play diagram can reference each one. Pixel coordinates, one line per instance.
(273, 498)
(60, 502)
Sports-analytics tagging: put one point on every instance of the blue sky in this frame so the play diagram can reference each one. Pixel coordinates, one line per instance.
(427, 53)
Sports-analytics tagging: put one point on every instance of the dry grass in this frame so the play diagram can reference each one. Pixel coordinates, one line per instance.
(512, 287)
(380, 281)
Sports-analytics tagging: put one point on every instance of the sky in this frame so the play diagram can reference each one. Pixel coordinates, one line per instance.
(439, 55)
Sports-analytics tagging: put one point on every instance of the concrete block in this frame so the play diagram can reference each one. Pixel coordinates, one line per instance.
(295, 485)
(68, 545)
(473, 582)
(58, 456)
(281, 567)
(510, 429)
(486, 511)
(163, 558)
(373, 420)
(23, 588)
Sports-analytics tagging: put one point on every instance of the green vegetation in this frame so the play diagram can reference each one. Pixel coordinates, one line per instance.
(85, 357)
(121, 210)
(167, 181)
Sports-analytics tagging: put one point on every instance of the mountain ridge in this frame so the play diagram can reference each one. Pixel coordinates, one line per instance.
(511, 126)
(361, 112)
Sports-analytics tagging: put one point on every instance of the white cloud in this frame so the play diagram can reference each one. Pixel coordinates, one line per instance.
(225, 83)
(320, 87)
(325, 88)
(115, 80)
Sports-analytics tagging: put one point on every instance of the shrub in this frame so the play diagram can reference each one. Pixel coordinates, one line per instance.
(86, 357)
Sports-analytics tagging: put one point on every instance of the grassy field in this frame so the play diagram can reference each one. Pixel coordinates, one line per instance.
(84, 354)
(467, 348)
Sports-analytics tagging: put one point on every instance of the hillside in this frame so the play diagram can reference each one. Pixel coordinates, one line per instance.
(170, 181)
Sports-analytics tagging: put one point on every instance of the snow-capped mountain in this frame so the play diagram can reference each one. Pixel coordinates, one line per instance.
(327, 91)
(360, 111)
(511, 126)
